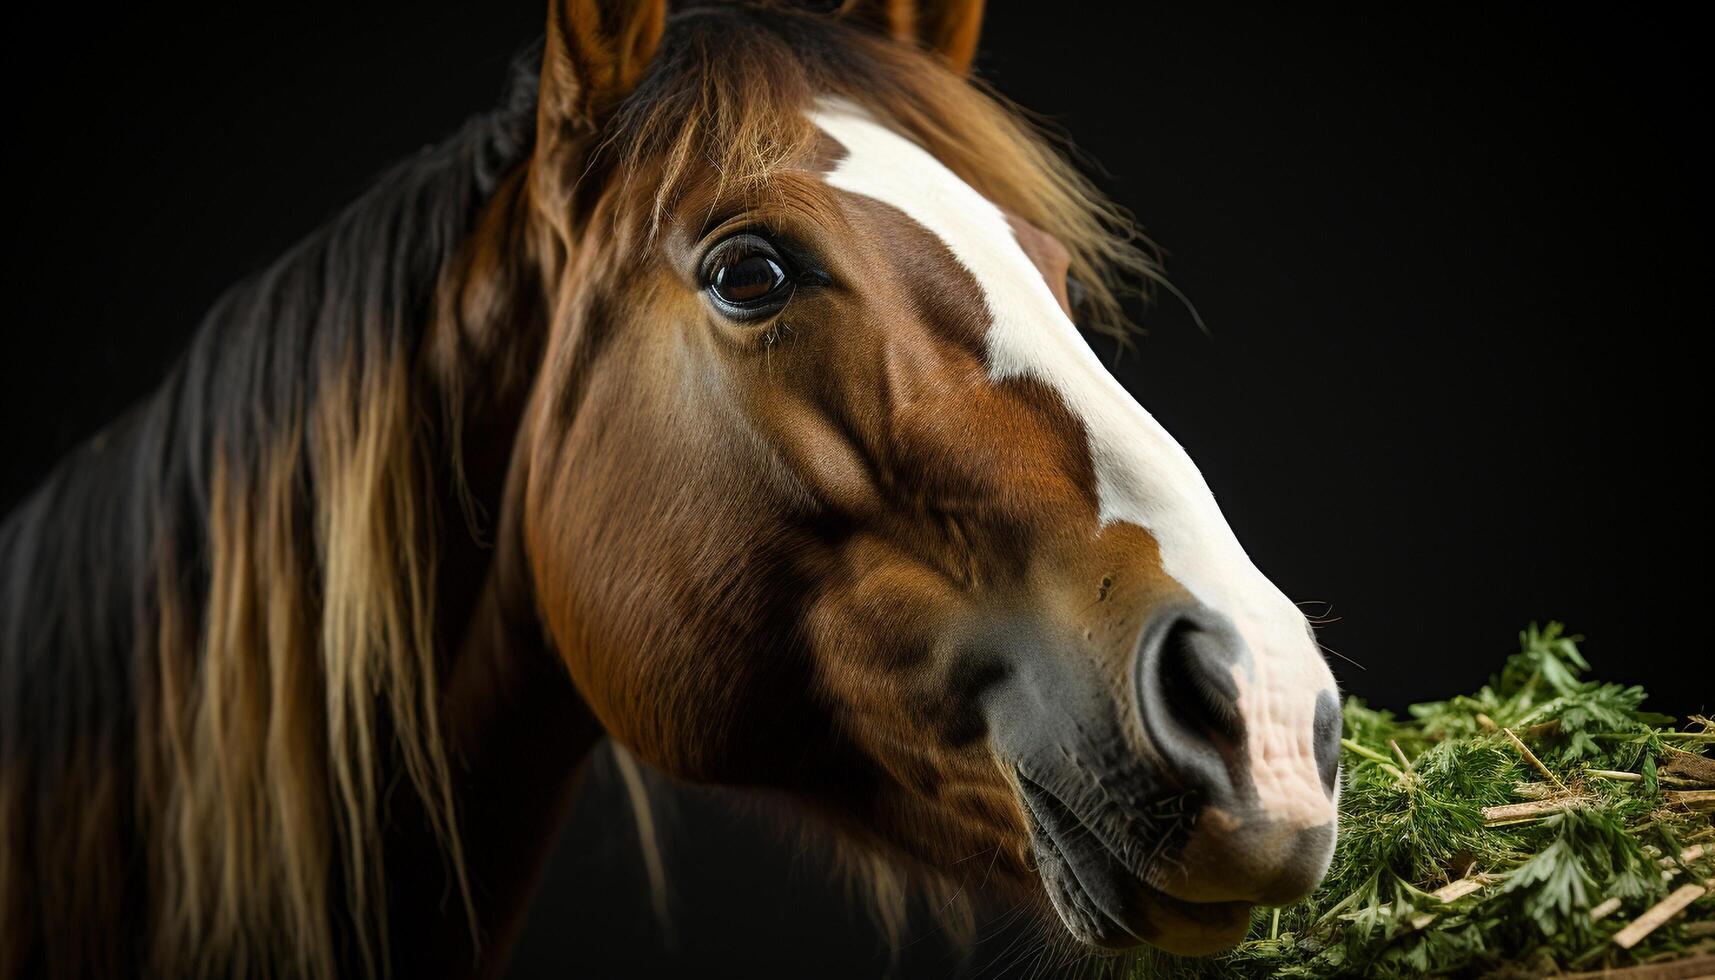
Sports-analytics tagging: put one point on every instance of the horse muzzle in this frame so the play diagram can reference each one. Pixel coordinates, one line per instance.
(1165, 803)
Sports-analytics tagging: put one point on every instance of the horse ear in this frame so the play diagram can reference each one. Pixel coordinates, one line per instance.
(947, 27)
(596, 52)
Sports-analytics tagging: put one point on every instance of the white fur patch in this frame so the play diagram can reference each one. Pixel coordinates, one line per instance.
(1143, 476)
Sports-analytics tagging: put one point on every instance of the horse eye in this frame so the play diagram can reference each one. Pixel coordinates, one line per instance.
(749, 279)
(746, 277)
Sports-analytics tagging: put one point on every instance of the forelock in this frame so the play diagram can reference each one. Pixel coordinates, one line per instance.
(726, 104)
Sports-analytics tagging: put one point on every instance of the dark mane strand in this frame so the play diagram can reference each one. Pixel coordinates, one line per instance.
(202, 546)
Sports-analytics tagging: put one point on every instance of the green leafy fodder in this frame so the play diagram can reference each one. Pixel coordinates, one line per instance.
(1608, 827)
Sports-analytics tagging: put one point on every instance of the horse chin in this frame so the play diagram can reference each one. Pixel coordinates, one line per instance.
(1119, 913)
(1104, 905)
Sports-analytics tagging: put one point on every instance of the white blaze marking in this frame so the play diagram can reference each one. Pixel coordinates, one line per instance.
(1143, 476)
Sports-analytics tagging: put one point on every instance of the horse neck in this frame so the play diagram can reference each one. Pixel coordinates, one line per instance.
(148, 536)
(520, 735)
(518, 732)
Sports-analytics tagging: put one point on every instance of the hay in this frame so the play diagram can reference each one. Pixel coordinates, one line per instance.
(1546, 824)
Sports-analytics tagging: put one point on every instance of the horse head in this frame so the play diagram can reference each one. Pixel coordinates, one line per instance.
(822, 491)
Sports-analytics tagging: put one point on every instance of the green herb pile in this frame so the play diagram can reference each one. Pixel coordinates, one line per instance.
(1520, 831)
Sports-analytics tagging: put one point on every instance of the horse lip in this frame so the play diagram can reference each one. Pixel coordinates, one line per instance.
(1222, 917)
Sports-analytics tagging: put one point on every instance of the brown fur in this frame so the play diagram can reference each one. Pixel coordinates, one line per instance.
(850, 489)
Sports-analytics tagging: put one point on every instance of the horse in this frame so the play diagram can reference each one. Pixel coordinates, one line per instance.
(720, 394)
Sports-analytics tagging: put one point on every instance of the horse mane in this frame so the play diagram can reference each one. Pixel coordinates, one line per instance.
(217, 633)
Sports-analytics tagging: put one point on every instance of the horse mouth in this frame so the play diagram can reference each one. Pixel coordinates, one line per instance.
(1104, 904)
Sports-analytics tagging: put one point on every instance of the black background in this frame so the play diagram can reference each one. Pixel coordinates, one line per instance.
(1455, 265)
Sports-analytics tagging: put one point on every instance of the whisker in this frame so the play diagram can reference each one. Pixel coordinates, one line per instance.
(1328, 649)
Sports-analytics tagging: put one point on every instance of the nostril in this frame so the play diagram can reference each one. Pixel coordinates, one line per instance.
(1326, 732)
(1187, 697)
(1197, 684)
